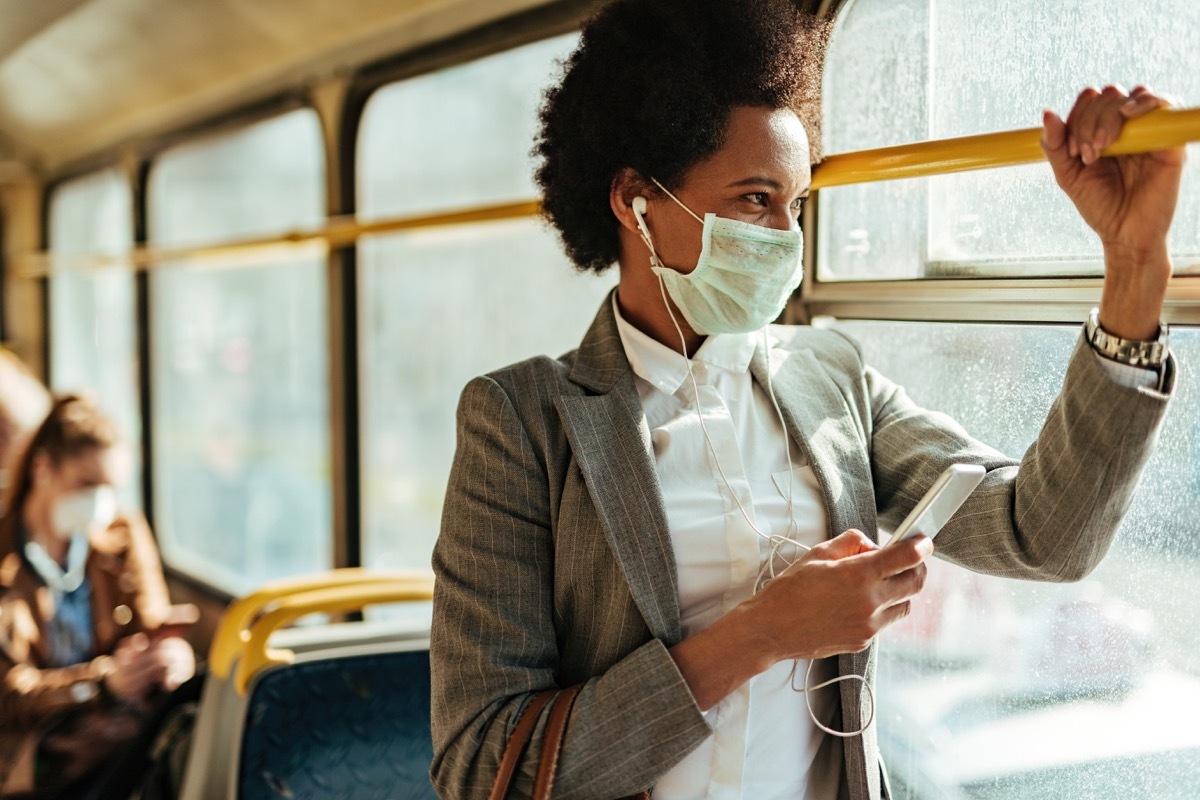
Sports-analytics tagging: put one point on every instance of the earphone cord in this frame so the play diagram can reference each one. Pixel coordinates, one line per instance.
(776, 541)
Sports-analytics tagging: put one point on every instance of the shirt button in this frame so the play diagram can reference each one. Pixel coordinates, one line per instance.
(122, 615)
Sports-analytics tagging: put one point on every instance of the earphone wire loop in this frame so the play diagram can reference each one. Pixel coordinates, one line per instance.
(807, 691)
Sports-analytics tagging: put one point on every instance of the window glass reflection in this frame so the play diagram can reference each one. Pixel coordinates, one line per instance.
(240, 388)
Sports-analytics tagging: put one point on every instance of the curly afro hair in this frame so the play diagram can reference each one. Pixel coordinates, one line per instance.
(651, 87)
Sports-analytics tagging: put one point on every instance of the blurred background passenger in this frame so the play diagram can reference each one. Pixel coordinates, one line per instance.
(88, 637)
(24, 402)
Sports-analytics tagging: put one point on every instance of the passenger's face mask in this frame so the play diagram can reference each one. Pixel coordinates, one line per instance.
(80, 511)
(743, 278)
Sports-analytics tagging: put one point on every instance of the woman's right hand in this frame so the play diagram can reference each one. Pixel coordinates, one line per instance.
(143, 665)
(833, 600)
(840, 595)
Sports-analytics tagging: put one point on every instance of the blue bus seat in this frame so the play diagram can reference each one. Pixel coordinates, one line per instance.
(353, 727)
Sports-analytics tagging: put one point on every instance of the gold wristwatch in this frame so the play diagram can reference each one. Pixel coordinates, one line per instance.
(1148, 355)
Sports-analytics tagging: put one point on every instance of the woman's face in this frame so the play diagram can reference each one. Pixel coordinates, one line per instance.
(761, 175)
(80, 489)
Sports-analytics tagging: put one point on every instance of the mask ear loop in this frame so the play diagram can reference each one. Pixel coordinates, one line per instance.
(679, 202)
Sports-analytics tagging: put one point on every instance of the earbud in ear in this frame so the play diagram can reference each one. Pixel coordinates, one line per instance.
(639, 212)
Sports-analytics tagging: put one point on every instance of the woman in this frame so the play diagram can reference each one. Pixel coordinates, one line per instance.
(88, 637)
(682, 514)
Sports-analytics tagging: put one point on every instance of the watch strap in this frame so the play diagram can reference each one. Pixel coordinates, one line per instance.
(1136, 353)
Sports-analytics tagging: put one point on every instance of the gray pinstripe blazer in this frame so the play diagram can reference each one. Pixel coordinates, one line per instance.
(555, 566)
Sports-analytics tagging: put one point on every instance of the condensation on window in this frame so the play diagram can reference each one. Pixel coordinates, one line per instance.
(917, 70)
(239, 371)
(1007, 690)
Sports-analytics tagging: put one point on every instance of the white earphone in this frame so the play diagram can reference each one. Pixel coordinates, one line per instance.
(639, 209)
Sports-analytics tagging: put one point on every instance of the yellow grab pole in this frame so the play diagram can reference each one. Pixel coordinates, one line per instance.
(1158, 130)
(336, 232)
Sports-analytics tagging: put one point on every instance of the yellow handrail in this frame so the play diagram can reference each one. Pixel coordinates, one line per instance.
(335, 233)
(1157, 130)
(233, 631)
(337, 600)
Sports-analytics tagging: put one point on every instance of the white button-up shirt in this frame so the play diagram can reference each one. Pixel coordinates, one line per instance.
(763, 741)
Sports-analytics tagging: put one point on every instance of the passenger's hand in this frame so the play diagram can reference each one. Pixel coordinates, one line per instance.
(1128, 200)
(145, 665)
(137, 673)
(178, 659)
(841, 594)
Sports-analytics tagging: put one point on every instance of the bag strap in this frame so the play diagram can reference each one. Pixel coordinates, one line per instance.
(552, 742)
(562, 703)
(517, 742)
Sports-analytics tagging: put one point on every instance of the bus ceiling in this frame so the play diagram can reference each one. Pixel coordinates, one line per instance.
(78, 77)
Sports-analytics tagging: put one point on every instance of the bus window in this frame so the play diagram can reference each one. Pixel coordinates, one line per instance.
(995, 688)
(93, 338)
(437, 306)
(239, 366)
(984, 680)
(914, 70)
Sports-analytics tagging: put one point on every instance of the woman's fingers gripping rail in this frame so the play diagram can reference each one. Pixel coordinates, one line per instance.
(1127, 200)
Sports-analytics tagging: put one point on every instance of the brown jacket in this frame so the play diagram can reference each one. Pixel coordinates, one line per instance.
(129, 595)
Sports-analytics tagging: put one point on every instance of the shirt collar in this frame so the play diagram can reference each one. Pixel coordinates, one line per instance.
(50, 571)
(665, 369)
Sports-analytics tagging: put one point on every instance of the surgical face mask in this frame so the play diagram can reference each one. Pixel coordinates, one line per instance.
(78, 512)
(743, 278)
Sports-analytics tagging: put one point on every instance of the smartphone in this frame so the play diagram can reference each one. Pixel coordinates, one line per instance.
(941, 501)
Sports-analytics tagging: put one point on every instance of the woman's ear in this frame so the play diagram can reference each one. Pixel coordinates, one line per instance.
(627, 187)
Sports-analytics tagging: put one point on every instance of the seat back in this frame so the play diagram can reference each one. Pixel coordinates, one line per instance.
(332, 724)
(260, 648)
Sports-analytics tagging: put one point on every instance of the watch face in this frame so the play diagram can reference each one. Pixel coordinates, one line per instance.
(83, 691)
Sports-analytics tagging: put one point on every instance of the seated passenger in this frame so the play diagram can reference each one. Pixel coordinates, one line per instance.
(88, 636)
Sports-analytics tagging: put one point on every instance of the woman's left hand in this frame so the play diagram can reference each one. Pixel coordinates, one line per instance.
(1128, 200)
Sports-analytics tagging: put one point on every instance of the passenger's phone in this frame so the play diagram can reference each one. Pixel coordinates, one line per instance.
(941, 501)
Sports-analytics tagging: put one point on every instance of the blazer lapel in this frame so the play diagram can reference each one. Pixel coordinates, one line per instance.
(819, 420)
(610, 440)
